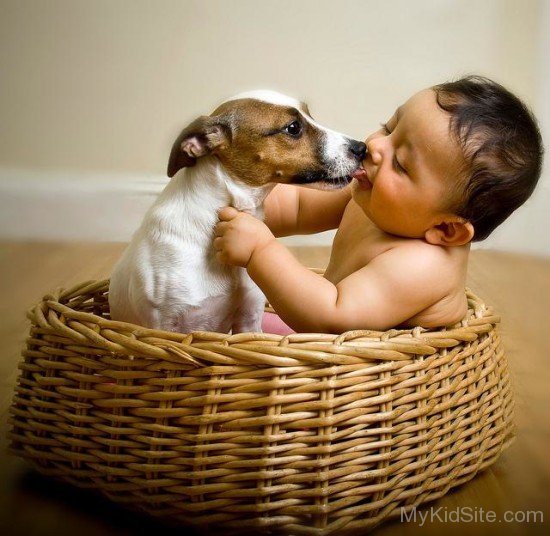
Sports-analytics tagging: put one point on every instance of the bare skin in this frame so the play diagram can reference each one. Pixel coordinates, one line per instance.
(399, 257)
(358, 242)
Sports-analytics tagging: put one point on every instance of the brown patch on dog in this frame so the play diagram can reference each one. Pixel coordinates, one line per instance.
(203, 136)
(260, 151)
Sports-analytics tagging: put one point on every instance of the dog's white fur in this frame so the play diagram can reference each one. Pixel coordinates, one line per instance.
(168, 277)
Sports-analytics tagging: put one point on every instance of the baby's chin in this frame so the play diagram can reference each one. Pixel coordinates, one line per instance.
(384, 226)
(358, 193)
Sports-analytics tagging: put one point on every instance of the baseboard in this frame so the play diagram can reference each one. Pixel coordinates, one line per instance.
(50, 205)
(84, 206)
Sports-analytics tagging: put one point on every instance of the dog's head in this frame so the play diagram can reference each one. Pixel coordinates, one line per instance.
(263, 136)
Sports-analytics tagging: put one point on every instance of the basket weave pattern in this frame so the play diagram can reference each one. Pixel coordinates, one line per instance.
(303, 434)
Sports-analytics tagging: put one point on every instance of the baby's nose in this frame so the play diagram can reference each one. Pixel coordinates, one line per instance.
(373, 149)
(358, 149)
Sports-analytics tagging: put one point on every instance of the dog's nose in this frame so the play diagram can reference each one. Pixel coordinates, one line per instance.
(358, 149)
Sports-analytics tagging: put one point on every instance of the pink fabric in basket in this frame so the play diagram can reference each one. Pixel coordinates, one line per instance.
(271, 323)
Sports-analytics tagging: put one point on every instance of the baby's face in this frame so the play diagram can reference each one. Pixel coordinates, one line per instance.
(412, 164)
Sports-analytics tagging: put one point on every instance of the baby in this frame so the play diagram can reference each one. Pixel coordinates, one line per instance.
(451, 164)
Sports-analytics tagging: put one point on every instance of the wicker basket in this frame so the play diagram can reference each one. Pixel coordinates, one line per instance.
(302, 434)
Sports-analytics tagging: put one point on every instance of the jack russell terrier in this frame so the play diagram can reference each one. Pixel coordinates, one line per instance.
(168, 278)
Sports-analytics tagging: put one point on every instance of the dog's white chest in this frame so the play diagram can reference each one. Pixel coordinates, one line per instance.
(169, 278)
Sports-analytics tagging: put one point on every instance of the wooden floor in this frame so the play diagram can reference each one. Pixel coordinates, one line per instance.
(518, 287)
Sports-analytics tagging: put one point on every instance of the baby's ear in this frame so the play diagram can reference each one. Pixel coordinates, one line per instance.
(452, 232)
(202, 137)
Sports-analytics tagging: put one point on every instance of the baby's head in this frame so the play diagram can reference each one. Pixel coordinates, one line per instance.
(451, 164)
(502, 150)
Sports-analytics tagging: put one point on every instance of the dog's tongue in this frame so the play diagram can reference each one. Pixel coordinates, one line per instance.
(359, 174)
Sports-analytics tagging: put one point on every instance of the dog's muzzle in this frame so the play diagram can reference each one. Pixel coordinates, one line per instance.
(358, 151)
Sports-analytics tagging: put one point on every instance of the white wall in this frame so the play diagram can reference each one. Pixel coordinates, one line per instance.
(92, 93)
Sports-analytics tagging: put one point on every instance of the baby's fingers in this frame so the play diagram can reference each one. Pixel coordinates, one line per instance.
(220, 228)
(227, 213)
(221, 257)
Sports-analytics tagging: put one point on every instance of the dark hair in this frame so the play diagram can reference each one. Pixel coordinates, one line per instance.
(502, 146)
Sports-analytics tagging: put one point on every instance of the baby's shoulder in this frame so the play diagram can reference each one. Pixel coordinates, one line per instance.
(424, 254)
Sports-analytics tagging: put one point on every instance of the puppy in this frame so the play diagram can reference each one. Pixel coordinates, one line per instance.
(168, 277)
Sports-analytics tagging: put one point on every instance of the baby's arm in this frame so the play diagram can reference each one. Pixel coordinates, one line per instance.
(391, 288)
(291, 210)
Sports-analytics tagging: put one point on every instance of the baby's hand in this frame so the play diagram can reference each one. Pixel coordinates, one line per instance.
(238, 236)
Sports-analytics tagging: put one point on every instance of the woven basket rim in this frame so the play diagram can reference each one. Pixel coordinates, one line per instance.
(57, 309)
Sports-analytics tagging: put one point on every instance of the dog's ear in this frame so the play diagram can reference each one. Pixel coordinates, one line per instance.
(203, 136)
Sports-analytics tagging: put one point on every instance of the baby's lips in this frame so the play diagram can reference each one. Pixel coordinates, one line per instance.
(360, 174)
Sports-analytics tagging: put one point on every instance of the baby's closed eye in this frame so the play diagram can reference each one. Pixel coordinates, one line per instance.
(395, 162)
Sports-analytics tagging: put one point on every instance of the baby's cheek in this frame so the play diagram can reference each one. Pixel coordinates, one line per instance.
(391, 193)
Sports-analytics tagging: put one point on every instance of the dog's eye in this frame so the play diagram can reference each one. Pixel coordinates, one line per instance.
(294, 129)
